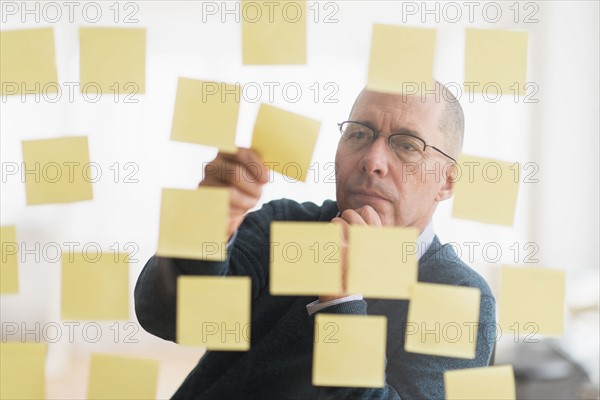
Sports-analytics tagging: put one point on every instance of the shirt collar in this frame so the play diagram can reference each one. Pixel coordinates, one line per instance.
(425, 239)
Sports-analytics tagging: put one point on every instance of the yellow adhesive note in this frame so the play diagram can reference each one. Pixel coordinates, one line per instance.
(401, 59)
(206, 113)
(28, 62)
(112, 60)
(496, 59)
(487, 383)
(349, 350)
(305, 258)
(193, 223)
(382, 261)
(22, 372)
(442, 320)
(285, 140)
(117, 377)
(532, 301)
(214, 311)
(95, 286)
(58, 170)
(273, 32)
(9, 260)
(486, 190)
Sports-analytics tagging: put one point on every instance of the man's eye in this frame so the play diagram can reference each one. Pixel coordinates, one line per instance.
(358, 135)
(405, 146)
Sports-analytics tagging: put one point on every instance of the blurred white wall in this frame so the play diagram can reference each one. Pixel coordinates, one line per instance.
(557, 216)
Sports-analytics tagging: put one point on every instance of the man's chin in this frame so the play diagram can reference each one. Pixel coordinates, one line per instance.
(377, 203)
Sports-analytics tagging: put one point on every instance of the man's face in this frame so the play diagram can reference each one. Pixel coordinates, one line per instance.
(401, 194)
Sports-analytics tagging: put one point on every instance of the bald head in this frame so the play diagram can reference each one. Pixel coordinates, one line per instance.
(451, 120)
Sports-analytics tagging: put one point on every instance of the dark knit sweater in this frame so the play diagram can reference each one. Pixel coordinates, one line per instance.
(279, 362)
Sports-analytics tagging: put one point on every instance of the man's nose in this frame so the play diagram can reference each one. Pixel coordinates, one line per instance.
(377, 158)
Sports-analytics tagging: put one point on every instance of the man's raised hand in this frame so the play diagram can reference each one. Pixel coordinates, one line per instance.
(244, 174)
(365, 215)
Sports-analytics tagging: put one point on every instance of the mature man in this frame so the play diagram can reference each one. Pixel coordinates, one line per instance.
(385, 148)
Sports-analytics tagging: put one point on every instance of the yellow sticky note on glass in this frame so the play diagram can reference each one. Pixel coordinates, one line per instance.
(117, 377)
(285, 140)
(95, 286)
(193, 223)
(442, 320)
(487, 383)
(22, 372)
(57, 170)
(349, 350)
(206, 113)
(113, 60)
(496, 58)
(382, 261)
(486, 190)
(392, 47)
(9, 260)
(273, 32)
(28, 62)
(532, 301)
(305, 258)
(214, 311)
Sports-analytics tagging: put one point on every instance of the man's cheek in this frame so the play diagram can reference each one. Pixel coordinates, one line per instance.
(408, 172)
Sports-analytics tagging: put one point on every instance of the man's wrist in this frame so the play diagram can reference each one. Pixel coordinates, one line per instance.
(324, 299)
(318, 305)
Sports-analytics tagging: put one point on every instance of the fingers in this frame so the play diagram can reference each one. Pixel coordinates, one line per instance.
(365, 215)
(243, 200)
(345, 227)
(343, 259)
(244, 174)
(369, 215)
(252, 164)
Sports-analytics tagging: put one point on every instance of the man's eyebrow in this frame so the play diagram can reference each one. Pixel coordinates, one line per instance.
(367, 123)
(407, 131)
(402, 131)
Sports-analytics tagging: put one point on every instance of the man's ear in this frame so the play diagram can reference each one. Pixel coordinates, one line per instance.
(448, 175)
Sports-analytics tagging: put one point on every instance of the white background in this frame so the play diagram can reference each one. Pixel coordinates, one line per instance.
(559, 133)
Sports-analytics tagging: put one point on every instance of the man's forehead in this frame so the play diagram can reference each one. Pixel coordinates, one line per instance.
(396, 111)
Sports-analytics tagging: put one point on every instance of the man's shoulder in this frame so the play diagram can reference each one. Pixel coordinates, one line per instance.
(290, 210)
(441, 264)
(256, 226)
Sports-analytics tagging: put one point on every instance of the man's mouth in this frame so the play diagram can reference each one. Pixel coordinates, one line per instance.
(368, 195)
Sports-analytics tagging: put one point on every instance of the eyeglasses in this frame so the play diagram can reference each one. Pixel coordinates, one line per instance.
(408, 148)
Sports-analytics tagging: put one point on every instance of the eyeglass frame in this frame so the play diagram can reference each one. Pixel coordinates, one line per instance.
(389, 140)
